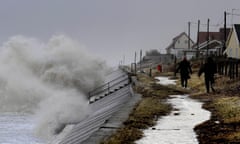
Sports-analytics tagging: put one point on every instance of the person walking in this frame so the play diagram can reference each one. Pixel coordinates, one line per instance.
(209, 68)
(185, 69)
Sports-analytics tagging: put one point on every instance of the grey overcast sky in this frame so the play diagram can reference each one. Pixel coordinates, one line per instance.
(113, 28)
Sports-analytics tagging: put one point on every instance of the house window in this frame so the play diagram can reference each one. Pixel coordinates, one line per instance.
(186, 41)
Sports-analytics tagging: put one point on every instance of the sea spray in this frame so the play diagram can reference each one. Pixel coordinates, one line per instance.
(55, 112)
(49, 80)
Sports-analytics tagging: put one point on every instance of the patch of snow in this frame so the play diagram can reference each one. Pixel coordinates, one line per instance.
(177, 128)
(165, 81)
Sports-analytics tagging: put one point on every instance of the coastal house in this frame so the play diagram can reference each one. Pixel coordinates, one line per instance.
(233, 43)
(159, 59)
(211, 45)
(179, 44)
(153, 58)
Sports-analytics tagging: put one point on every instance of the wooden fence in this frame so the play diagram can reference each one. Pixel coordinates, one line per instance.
(228, 67)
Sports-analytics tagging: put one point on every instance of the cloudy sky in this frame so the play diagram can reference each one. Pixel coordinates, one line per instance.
(113, 29)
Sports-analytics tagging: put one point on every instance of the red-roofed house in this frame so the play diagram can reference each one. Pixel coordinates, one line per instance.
(214, 45)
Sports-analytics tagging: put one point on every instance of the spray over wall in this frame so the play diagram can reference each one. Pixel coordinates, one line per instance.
(49, 80)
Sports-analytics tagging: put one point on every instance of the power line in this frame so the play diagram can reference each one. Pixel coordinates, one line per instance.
(216, 25)
(235, 14)
(220, 21)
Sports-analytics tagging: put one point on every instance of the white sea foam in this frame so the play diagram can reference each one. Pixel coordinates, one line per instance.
(49, 80)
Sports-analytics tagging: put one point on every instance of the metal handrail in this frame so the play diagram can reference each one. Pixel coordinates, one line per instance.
(107, 86)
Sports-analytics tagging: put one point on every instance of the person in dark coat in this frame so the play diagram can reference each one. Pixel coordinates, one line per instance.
(209, 69)
(185, 70)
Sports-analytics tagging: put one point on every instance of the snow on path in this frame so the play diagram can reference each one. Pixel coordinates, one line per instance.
(177, 128)
(165, 81)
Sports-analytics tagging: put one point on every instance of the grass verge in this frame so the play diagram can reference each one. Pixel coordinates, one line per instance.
(146, 112)
(224, 105)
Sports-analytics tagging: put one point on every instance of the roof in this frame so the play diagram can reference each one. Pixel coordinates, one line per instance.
(219, 36)
(176, 38)
(213, 35)
(237, 29)
(211, 44)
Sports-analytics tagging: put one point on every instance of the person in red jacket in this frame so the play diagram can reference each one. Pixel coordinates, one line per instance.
(159, 67)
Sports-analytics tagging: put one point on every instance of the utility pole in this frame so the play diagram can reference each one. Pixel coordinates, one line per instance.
(225, 31)
(135, 58)
(232, 17)
(207, 35)
(189, 24)
(134, 64)
(197, 55)
(140, 62)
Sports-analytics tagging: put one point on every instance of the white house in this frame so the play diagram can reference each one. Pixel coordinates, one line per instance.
(180, 44)
(233, 43)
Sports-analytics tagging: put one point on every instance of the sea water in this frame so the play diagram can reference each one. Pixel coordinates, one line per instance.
(17, 128)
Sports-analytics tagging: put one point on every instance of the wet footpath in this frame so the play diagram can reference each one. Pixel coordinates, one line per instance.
(177, 128)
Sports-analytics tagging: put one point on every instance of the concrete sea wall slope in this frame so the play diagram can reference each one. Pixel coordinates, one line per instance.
(109, 109)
